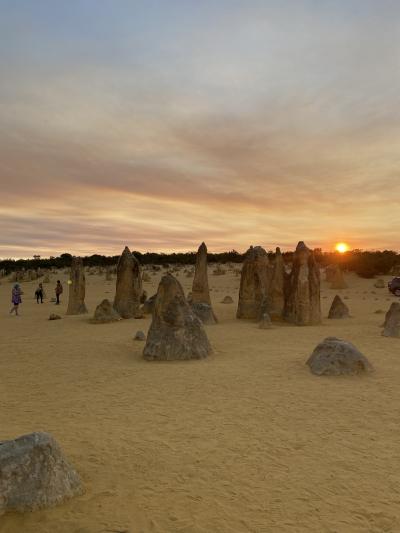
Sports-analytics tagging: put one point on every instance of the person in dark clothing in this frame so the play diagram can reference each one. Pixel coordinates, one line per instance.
(59, 291)
(39, 293)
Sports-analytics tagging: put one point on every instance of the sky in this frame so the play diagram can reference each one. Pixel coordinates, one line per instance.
(160, 124)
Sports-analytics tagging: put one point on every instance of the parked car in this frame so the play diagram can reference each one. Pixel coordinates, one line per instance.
(394, 286)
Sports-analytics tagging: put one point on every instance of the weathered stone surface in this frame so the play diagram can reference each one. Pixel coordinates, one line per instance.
(333, 357)
(175, 331)
(338, 309)
(35, 474)
(200, 297)
(76, 297)
(254, 283)
(379, 284)
(276, 300)
(53, 316)
(139, 336)
(391, 326)
(338, 280)
(302, 291)
(105, 313)
(129, 285)
(227, 300)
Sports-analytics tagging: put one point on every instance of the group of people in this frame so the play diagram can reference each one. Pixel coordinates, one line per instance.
(39, 295)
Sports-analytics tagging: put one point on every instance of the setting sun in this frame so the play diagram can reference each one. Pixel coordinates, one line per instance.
(341, 247)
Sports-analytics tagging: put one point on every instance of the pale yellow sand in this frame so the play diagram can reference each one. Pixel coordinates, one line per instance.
(246, 441)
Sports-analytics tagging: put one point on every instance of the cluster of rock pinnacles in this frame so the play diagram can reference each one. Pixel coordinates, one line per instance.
(267, 294)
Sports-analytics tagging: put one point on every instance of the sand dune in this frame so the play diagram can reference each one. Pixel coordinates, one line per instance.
(247, 440)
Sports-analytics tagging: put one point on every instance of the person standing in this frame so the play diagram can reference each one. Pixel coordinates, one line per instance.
(39, 293)
(59, 291)
(16, 299)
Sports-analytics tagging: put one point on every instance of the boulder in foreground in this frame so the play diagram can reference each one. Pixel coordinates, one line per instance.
(34, 474)
(334, 357)
(175, 331)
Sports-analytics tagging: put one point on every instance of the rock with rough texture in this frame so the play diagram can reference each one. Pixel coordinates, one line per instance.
(53, 316)
(200, 297)
(76, 297)
(334, 357)
(175, 331)
(338, 280)
(105, 313)
(338, 309)
(139, 336)
(379, 284)
(302, 292)
(35, 474)
(129, 285)
(254, 283)
(391, 326)
(227, 300)
(277, 287)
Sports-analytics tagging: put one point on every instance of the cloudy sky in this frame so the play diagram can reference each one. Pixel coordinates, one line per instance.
(159, 124)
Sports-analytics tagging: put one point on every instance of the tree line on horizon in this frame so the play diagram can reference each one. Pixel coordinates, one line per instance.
(366, 264)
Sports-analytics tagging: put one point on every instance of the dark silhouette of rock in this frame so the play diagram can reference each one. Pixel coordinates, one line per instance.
(175, 331)
(129, 285)
(105, 313)
(227, 300)
(34, 474)
(391, 326)
(254, 283)
(333, 357)
(302, 291)
(76, 297)
(338, 309)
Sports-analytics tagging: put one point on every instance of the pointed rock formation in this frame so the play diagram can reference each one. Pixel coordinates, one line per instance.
(333, 357)
(129, 285)
(338, 280)
(338, 309)
(34, 474)
(277, 288)
(105, 313)
(302, 302)
(254, 283)
(76, 298)
(200, 298)
(175, 331)
(391, 327)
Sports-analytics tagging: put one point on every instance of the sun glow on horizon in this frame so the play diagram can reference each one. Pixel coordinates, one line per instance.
(341, 247)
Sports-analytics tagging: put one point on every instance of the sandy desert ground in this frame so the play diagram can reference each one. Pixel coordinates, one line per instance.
(245, 441)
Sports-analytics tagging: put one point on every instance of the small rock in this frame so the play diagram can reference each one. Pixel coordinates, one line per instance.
(139, 336)
(53, 316)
